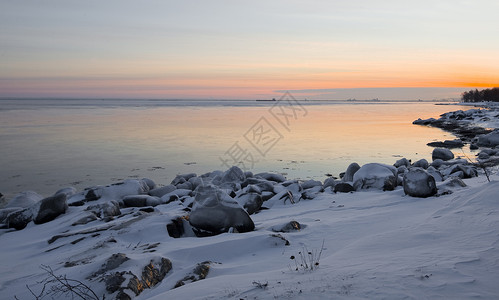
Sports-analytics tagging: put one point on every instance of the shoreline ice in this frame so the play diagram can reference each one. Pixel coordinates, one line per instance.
(377, 244)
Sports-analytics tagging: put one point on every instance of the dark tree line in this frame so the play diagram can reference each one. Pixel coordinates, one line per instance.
(480, 96)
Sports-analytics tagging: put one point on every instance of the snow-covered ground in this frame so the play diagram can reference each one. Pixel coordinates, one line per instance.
(377, 245)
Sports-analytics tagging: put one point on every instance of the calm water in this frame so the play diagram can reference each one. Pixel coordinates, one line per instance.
(49, 144)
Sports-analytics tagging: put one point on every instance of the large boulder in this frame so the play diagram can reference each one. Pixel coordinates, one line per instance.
(442, 153)
(351, 170)
(214, 212)
(377, 176)
(419, 183)
(50, 208)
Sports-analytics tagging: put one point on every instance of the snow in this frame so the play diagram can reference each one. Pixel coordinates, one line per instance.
(377, 245)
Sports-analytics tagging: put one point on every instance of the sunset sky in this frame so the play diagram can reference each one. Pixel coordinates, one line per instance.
(248, 49)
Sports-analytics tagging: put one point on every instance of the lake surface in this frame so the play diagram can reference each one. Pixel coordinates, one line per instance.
(50, 144)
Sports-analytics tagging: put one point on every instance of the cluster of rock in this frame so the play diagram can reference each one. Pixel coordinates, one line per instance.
(466, 125)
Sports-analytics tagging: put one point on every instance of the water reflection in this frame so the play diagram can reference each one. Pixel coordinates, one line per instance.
(44, 149)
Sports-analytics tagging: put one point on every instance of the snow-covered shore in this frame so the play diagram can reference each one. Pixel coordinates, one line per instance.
(139, 240)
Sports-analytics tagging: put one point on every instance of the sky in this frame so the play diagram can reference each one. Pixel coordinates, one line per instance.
(231, 49)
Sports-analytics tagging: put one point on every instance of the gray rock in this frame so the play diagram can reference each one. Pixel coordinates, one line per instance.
(150, 183)
(141, 201)
(252, 202)
(69, 191)
(402, 162)
(185, 185)
(311, 193)
(234, 174)
(19, 219)
(87, 218)
(402, 170)
(442, 153)
(422, 163)
(106, 209)
(350, 172)
(24, 200)
(377, 176)
(50, 208)
(329, 182)
(160, 192)
(182, 178)
(215, 212)
(435, 173)
(4, 212)
(288, 227)
(198, 273)
(419, 183)
(343, 187)
(271, 177)
(310, 184)
(489, 140)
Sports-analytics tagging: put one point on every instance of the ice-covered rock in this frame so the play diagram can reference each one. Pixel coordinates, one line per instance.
(271, 176)
(106, 209)
(442, 153)
(310, 184)
(141, 201)
(215, 212)
(350, 172)
(488, 140)
(234, 174)
(422, 163)
(24, 200)
(377, 176)
(252, 202)
(311, 193)
(435, 173)
(69, 191)
(160, 192)
(402, 162)
(49, 208)
(182, 178)
(329, 182)
(287, 227)
(19, 219)
(343, 187)
(419, 183)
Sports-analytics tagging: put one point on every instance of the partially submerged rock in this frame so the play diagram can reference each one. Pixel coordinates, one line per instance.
(442, 153)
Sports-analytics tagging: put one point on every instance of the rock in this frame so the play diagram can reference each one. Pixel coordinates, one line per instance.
(251, 202)
(69, 191)
(199, 273)
(442, 153)
(453, 182)
(488, 140)
(422, 163)
(150, 183)
(106, 209)
(288, 227)
(195, 182)
(24, 200)
(473, 146)
(111, 263)
(50, 208)
(419, 121)
(176, 227)
(185, 186)
(310, 184)
(419, 183)
(483, 155)
(343, 187)
(141, 201)
(87, 218)
(271, 177)
(215, 212)
(175, 195)
(4, 212)
(182, 178)
(329, 182)
(253, 189)
(160, 192)
(402, 170)
(350, 172)
(234, 174)
(311, 193)
(19, 219)
(457, 143)
(435, 173)
(377, 176)
(154, 272)
(402, 162)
